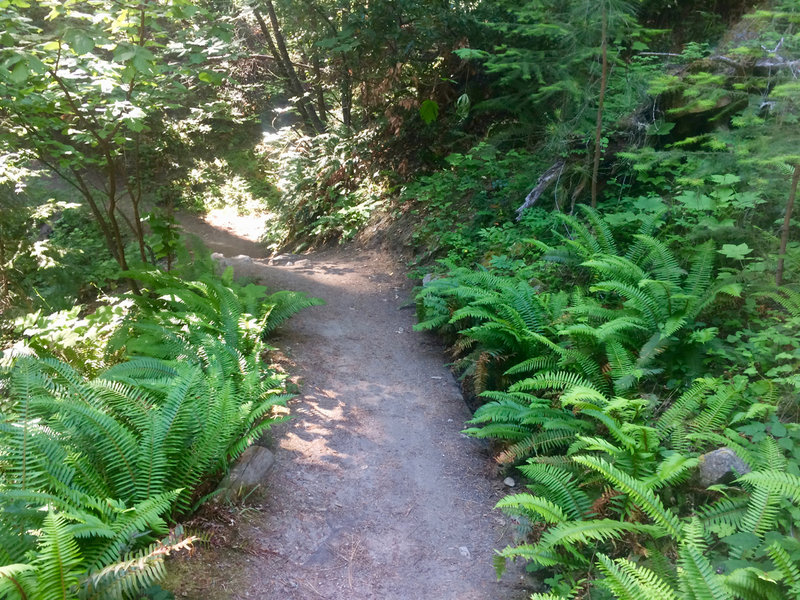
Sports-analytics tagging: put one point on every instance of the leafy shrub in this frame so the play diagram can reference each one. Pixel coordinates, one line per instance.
(606, 390)
(114, 455)
(328, 193)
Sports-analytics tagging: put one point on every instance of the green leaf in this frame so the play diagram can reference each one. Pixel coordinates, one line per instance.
(648, 203)
(743, 540)
(20, 72)
(429, 111)
(210, 77)
(736, 252)
(696, 201)
(727, 179)
(471, 53)
(660, 128)
(80, 42)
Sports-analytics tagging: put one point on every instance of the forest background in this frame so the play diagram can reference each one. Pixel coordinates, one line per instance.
(600, 193)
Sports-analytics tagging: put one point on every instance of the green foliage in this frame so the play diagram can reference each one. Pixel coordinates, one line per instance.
(54, 254)
(630, 310)
(460, 210)
(164, 236)
(83, 86)
(597, 386)
(74, 336)
(115, 454)
(328, 192)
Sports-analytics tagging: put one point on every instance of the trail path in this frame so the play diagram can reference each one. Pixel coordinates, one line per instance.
(375, 493)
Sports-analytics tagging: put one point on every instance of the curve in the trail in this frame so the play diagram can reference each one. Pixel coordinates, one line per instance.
(376, 493)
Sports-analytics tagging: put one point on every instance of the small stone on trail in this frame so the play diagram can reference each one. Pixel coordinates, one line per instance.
(464, 551)
(509, 482)
(250, 471)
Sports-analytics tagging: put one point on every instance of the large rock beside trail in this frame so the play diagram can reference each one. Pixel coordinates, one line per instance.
(249, 472)
(720, 466)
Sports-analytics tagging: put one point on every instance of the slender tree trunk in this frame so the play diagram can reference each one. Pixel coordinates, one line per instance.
(273, 49)
(294, 81)
(4, 291)
(135, 194)
(322, 110)
(599, 129)
(111, 209)
(270, 44)
(97, 213)
(786, 222)
(346, 91)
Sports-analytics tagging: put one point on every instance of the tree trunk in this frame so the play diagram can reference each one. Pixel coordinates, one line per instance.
(97, 213)
(294, 81)
(273, 49)
(346, 91)
(322, 110)
(786, 222)
(4, 291)
(603, 82)
(135, 194)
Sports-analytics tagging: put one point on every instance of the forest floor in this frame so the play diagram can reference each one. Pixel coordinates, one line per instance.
(375, 493)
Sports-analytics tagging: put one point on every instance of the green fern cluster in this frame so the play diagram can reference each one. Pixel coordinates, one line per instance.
(610, 335)
(613, 509)
(175, 315)
(612, 495)
(610, 331)
(93, 469)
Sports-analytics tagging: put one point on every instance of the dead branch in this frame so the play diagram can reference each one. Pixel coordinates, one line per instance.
(541, 185)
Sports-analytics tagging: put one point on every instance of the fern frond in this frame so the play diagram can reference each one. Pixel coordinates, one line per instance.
(58, 560)
(629, 581)
(534, 506)
(698, 580)
(643, 497)
(560, 486)
(750, 583)
(788, 569)
(592, 531)
(602, 231)
(780, 482)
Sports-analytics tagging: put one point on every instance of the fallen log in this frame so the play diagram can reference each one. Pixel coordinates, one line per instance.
(541, 185)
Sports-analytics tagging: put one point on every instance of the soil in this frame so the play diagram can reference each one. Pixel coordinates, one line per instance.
(375, 493)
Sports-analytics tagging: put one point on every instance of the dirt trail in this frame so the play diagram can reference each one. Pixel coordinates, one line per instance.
(375, 493)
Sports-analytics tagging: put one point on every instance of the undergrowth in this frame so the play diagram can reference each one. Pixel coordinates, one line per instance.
(98, 465)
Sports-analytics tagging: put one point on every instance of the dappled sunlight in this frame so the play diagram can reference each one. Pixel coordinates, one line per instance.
(250, 226)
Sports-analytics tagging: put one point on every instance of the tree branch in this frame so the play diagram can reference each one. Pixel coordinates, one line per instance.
(541, 185)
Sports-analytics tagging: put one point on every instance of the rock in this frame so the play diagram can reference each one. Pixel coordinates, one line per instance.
(464, 551)
(243, 258)
(45, 231)
(426, 280)
(249, 472)
(720, 466)
(220, 259)
(509, 482)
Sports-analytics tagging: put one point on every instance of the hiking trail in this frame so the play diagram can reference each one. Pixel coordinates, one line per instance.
(375, 492)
